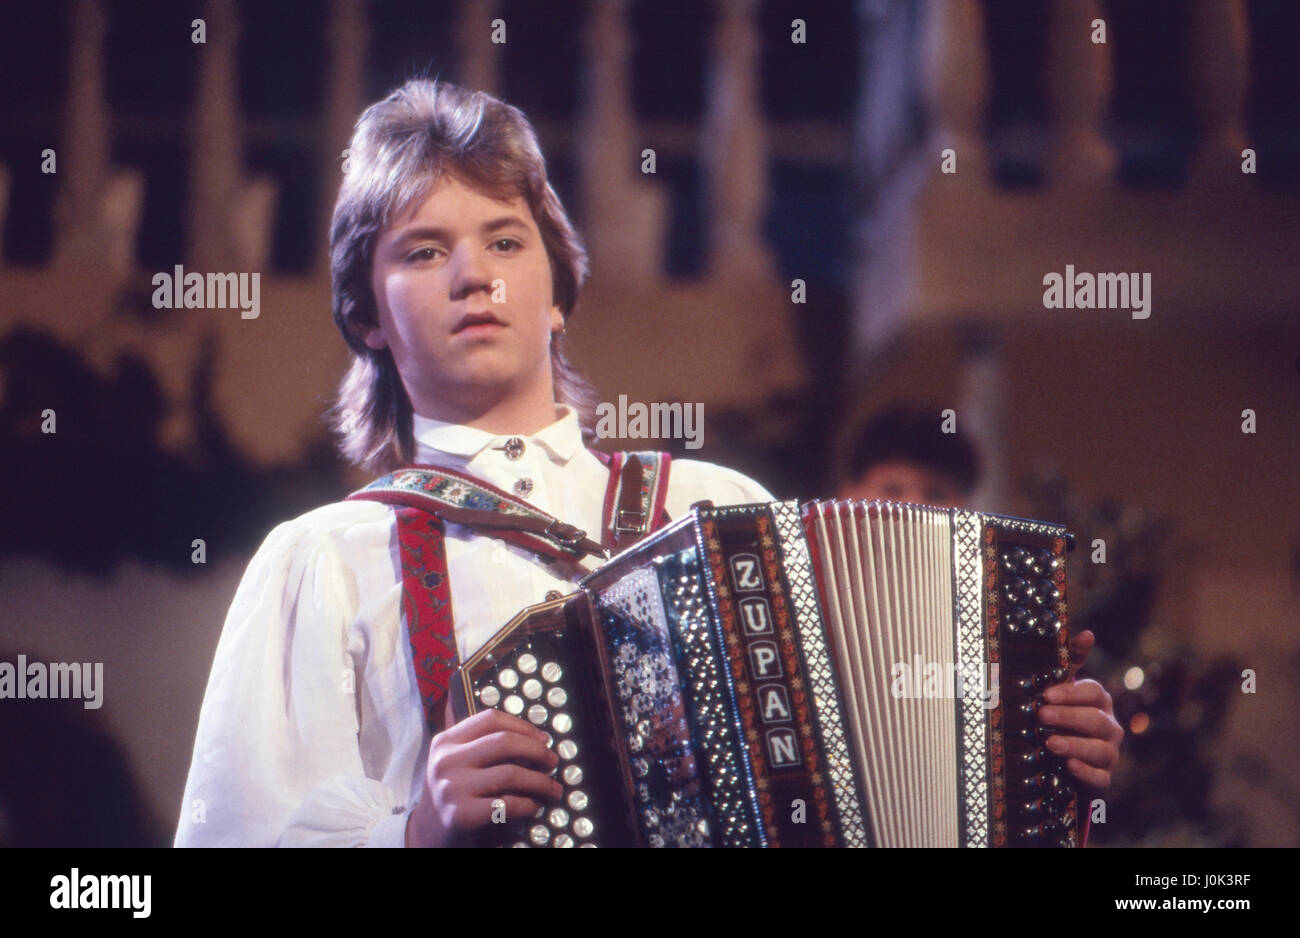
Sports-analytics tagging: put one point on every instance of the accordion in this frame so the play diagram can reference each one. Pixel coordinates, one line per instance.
(832, 674)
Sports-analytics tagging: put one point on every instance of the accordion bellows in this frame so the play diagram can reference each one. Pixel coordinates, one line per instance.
(832, 674)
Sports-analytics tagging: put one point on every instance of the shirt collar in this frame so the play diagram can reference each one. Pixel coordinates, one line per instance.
(434, 438)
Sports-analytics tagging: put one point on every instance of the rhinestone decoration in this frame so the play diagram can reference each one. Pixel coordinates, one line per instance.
(719, 749)
(514, 447)
(648, 696)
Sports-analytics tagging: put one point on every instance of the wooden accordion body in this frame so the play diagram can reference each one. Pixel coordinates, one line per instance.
(836, 674)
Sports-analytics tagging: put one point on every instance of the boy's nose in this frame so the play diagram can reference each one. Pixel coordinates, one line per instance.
(470, 272)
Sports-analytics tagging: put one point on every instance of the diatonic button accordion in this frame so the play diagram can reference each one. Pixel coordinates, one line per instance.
(832, 674)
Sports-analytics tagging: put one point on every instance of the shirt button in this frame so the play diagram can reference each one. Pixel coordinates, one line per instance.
(514, 448)
(524, 486)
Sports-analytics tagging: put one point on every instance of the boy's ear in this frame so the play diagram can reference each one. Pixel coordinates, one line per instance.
(557, 320)
(373, 336)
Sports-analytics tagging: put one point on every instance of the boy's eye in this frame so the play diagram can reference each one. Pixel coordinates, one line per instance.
(423, 254)
(507, 244)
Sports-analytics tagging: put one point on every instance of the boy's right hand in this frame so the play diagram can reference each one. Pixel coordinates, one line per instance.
(488, 757)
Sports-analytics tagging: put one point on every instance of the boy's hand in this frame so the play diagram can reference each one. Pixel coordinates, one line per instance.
(1083, 710)
(488, 757)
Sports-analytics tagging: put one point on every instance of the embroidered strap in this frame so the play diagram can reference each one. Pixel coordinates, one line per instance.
(634, 500)
(462, 499)
(426, 607)
(424, 496)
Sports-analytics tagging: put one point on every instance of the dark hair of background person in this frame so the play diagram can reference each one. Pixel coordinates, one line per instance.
(914, 434)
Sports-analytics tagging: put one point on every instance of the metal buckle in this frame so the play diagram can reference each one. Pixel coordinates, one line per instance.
(566, 535)
(637, 519)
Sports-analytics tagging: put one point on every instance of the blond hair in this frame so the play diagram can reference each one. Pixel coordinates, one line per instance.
(401, 148)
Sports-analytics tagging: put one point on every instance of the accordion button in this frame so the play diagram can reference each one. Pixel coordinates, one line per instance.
(539, 835)
(582, 827)
(572, 775)
(532, 688)
(490, 696)
(527, 663)
(556, 697)
(577, 800)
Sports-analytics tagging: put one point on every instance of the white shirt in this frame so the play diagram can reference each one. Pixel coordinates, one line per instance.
(312, 731)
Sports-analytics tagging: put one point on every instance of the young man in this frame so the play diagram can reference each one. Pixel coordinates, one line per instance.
(454, 270)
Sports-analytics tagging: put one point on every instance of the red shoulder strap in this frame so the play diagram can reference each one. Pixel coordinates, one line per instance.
(634, 497)
(426, 607)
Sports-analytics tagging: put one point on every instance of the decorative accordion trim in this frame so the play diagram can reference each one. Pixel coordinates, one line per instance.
(968, 603)
(821, 677)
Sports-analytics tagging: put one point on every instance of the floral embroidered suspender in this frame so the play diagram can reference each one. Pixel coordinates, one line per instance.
(424, 497)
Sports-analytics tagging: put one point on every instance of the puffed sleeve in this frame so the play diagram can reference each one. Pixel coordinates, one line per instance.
(691, 480)
(276, 755)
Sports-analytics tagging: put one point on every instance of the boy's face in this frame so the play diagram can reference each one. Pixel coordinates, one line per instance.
(463, 290)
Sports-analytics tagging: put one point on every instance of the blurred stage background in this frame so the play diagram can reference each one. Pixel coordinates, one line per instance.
(776, 161)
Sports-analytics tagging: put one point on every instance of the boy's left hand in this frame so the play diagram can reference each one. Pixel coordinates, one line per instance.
(1088, 737)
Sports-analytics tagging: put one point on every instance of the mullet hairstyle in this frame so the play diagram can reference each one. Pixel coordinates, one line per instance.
(400, 149)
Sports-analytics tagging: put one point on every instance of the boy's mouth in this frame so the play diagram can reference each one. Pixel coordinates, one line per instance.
(471, 320)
